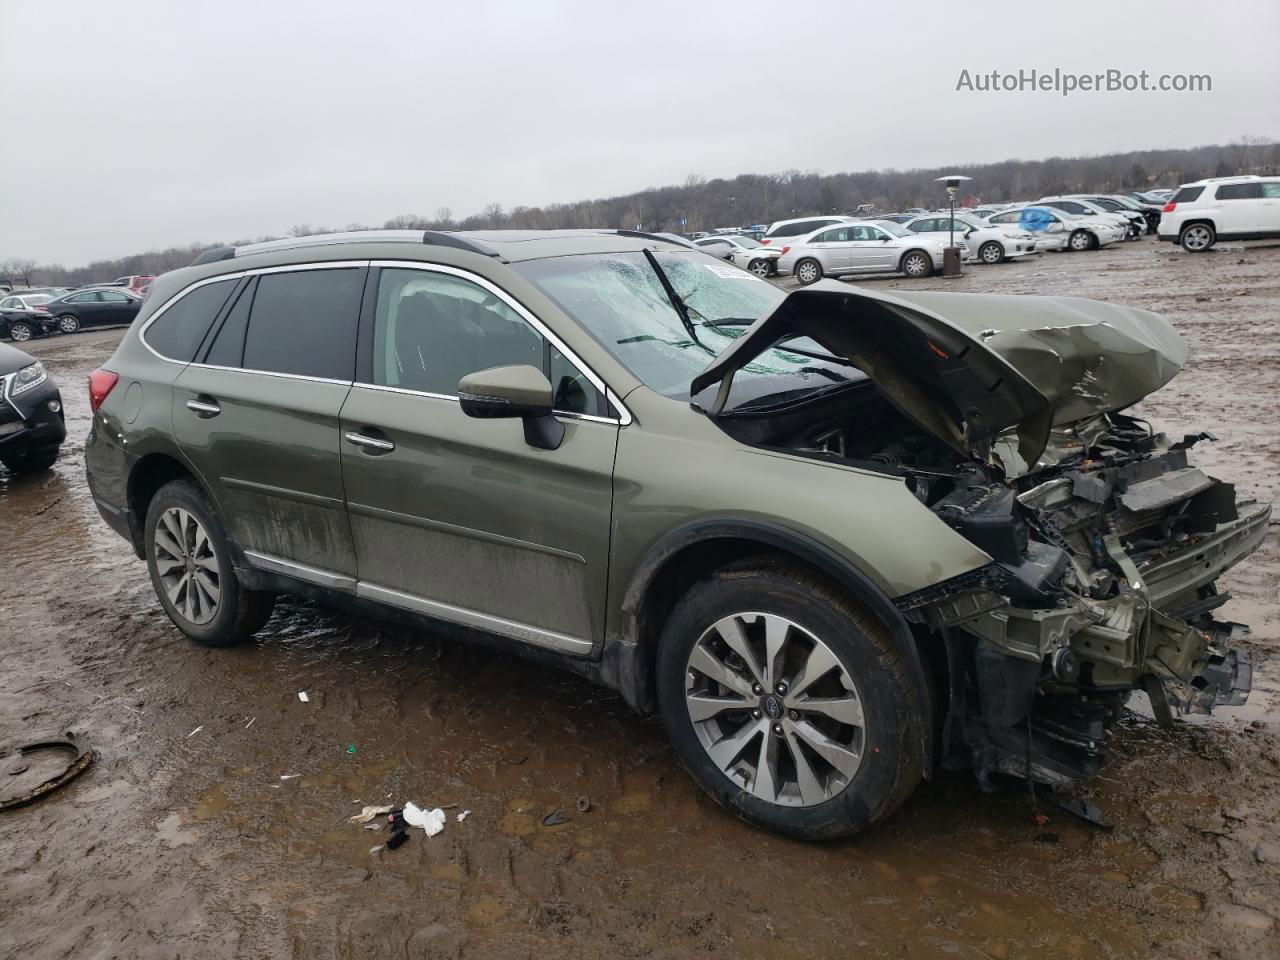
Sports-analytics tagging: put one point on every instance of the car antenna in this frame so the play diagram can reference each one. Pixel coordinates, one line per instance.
(681, 308)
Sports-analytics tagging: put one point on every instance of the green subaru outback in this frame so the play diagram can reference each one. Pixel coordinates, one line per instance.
(839, 538)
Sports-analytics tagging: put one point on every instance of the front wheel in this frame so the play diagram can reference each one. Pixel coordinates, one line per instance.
(21, 331)
(1081, 240)
(991, 252)
(917, 264)
(808, 271)
(190, 565)
(760, 268)
(788, 702)
(1197, 238)
(68, 323)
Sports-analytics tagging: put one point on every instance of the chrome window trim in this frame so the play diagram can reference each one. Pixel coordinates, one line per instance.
(268, 373)
(236, 275)
(565, 414)
(624, 417)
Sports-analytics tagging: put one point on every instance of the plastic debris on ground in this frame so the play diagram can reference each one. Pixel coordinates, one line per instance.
(463, 815)
(195, 731)
(583, 804)
(368, 813)
(302, 695)
(397, 839)
(555, 818)
(351, 749)
(432, 821)
(289, 776)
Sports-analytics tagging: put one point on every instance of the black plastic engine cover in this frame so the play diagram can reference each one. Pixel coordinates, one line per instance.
(987, 517)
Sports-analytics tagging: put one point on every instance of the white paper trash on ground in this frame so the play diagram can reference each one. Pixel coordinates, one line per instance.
(432, 821)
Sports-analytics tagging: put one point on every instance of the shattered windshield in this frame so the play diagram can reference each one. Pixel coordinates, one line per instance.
(620, 300)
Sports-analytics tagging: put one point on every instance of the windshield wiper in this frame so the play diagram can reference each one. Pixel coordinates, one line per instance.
(680, 307)
(729, 322)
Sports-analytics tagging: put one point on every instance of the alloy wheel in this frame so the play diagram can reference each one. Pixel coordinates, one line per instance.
(1196, 238)
(991, 253)
(68, 324)
(760, 268)
(916, 265)
(1080, 240)
(775, 709)
(187, 565)
(807, 273)
(20, 332)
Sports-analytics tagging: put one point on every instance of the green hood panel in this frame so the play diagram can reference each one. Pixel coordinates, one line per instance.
(967, 367)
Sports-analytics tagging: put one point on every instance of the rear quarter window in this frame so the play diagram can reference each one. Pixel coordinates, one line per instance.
(177, 331)
(1187, 194)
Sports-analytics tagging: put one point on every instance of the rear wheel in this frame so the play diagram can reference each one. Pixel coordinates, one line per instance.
(21, 331)
(1197, 238)
(991, 252)
(808, 271)
(788, 702)
(1081, 240)
(31, 459)
(190, 565)
(760, 268)
(68, 323)
(917, 264)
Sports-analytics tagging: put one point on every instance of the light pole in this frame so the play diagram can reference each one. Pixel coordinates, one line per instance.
(951, 256)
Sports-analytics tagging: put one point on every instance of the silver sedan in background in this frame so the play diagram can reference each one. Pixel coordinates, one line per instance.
(880, 247)
(743, 252)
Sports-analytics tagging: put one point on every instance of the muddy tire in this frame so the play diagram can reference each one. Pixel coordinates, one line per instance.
(31, 460)
(1197, 237)
(818, 742)
(808, 271)
(190, 565)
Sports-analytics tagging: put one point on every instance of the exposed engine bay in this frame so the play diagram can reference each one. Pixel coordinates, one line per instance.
(1104, 556)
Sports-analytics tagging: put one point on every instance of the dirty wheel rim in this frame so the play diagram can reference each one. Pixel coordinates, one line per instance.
(20, 333)
(991, 253)
(187, 565)
(1195, 238)
(916, 266)
(760, 268)
(1080, 241)
(68, 324)
(808, 272)
(774, 709)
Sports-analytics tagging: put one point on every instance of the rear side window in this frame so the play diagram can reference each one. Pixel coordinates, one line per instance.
(177, 332)
(304, 323)
(1239, 191)
(1187, 194)
(1271, 191)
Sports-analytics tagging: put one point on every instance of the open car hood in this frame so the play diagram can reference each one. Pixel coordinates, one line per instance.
(969, 367)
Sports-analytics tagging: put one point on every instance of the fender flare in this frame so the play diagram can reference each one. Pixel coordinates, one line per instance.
(821, 557)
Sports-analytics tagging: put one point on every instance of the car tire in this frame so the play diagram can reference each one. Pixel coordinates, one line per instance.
(189, 560)
(991, 252)
(916, 264)
(1081, 240)
(808, 271)
(760, 268)
(21, 331)
(68, 323)
(863, 774)
(1197, 237)
(31, 460)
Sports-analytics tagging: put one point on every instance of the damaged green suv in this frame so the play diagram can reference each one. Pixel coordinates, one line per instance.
(840, 538)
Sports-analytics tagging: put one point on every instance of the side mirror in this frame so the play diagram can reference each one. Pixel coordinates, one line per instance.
(517, 391)
(885, 238)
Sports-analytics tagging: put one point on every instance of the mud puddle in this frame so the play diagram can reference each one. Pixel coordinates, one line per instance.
(215, 821)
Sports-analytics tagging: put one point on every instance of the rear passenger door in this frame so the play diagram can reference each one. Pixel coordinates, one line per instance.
(460, 518)
(1239, 209)
(1269, 208)
(257, 415)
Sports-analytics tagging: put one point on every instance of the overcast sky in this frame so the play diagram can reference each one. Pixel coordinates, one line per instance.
(136, 124)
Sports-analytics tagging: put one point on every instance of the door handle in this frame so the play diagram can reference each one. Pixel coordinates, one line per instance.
(372, 443)
(204, 408)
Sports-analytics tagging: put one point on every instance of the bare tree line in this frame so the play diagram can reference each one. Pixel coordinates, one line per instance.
(700, 204)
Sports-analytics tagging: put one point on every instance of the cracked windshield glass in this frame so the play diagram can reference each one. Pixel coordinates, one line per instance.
(621, 300)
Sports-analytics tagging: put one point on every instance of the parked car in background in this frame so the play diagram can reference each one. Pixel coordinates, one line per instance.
(1133, 226)
(743, 252)
(898, 218)
(93, 308)
(1118, 203)
(32, 425)
(1058, 230)
(134, 283)
(987, 242)
(782, 231)
(25, 300)
(1222, 208)
(859, 247)
(20, 325)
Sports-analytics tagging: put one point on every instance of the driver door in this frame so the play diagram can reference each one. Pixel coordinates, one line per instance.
(873, 249)
(461, 518)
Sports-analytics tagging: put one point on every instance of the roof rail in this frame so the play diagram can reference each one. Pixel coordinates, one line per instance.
(641, 235)
(434, 237)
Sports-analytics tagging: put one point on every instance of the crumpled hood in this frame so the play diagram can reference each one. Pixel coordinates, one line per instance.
(967, 366)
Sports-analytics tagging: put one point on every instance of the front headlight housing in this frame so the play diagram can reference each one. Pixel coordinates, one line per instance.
(27, 378)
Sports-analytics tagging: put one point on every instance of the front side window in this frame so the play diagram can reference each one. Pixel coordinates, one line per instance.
(110, 296)
(304, 323)
(10, 303)
(838, 235)
(1271, 191)
(432, 329)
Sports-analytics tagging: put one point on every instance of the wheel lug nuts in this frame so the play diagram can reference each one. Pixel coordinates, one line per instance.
(755, 714)
(777, 729)
(794, 715)
(757, 689)
(781, 687)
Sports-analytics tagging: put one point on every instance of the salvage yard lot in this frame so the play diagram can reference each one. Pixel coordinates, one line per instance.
(184, 832)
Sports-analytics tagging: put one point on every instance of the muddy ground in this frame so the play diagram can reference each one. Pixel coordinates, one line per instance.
(185, 839)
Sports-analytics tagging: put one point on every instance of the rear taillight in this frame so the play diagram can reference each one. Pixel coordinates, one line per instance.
(784, 250)
(1168, 207)
(101, 383)
(764, 241)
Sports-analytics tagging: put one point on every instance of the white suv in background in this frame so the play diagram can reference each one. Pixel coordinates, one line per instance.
(1222, 208)
(781, 231)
